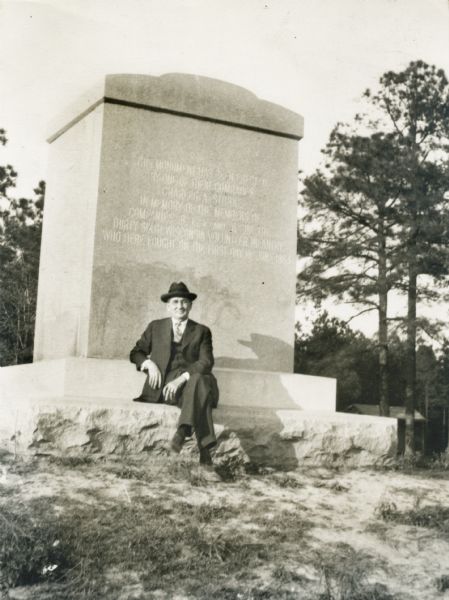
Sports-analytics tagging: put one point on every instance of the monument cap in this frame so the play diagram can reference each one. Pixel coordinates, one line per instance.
(178, 290)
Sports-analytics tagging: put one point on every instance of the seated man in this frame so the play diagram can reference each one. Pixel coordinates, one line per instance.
(177, 354)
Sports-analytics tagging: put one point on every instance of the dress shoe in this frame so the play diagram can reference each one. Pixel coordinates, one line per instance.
(178, 441)
(205, 457)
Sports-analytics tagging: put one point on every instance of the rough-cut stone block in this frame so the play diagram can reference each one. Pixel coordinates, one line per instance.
(42, 427)
(291, 438)
(170, 178)
(338, 440)
(282, 439)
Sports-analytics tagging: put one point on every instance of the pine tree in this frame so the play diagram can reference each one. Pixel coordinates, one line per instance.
(20, 234)
(377, 213)
(414, 107)
(349, 231)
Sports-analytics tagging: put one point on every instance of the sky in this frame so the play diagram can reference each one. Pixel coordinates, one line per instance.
(315, 57)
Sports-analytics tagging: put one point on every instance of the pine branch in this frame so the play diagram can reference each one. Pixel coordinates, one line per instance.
(362, 312)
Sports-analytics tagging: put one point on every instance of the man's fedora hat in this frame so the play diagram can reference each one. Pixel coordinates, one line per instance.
(178, 290)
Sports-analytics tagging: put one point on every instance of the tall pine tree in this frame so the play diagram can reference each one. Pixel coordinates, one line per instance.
(413, 106)
(376, 213)
(349, 231)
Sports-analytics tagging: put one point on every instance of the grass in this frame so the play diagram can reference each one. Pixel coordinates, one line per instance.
(71, 462)
(287, 480)
(79, 547)
(421, 466)
(434, 517)
(345, 572)
(81, 550)
(251, 539)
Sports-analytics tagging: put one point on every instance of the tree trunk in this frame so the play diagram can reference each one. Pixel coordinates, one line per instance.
(384, 405)
(446, 424)
(410, 388)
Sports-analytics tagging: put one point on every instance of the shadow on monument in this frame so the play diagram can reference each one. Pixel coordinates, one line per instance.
(260, 428)
(260, 433)
(271, 354)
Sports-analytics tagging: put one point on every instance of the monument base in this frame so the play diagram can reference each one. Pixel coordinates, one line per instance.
(118, 381)
(83, 406)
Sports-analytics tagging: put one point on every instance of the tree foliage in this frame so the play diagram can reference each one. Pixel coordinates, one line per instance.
(376, 213)
(20, 234)
(415, 105)
(350, 214)
(333, 349)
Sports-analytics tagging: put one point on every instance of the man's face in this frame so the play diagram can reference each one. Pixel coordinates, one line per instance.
(179, 308)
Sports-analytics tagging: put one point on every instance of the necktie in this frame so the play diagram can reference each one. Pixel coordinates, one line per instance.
(177, 332)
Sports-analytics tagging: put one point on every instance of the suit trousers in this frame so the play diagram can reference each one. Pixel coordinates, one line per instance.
(194, 400)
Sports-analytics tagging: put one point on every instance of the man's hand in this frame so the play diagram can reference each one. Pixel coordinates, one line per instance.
(154, 375)
(169, 391)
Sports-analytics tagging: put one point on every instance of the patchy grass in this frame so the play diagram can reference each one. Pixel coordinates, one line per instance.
(71, 462)
(83, 543)
(171, 469)
(287, 480)
(30, 547)
(82, 529)
(345, 572)
(153, 543)
(425, 467)
(435, 517)
(20, 466)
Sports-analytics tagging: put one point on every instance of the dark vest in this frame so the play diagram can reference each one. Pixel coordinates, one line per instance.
(177, 361)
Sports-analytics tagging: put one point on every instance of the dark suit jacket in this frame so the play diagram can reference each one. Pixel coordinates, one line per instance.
(196, 345)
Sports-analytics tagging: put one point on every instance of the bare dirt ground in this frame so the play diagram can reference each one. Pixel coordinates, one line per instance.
(163, 528)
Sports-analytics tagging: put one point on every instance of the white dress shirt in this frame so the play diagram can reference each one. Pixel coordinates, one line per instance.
(181, 328)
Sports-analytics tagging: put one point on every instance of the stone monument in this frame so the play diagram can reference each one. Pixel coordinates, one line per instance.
(169, 178)
(156, 179)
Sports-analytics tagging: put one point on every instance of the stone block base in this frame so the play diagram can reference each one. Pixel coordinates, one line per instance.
(283, 439)
(79, 428)
(292, 438)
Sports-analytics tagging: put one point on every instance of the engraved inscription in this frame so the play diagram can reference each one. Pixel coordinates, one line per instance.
(196, 209)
